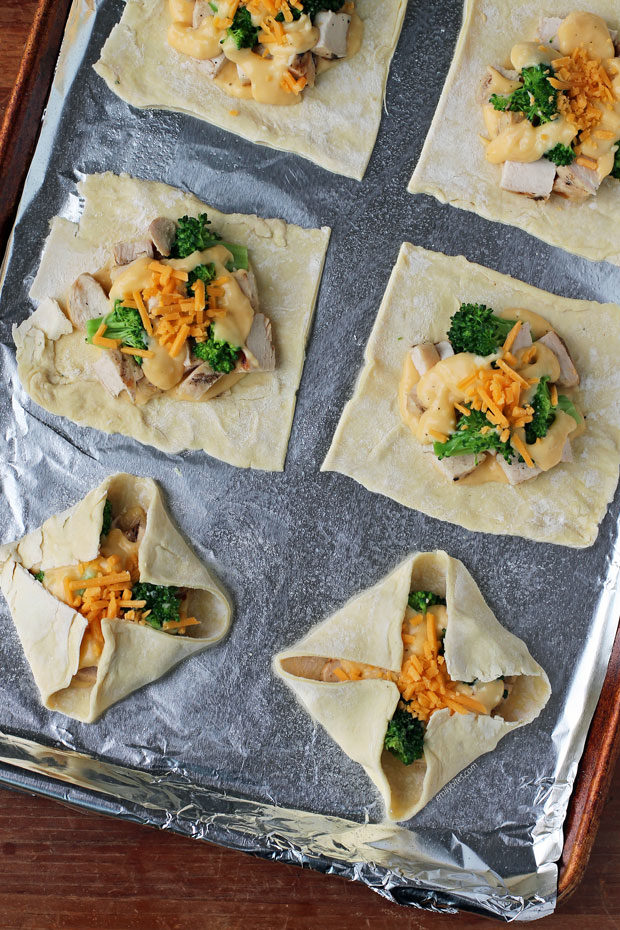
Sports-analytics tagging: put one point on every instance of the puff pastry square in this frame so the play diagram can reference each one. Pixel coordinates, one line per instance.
(138, 65)
(356, 713)
(247, 426)
(51, 632)
(452, 166)
(372, 445)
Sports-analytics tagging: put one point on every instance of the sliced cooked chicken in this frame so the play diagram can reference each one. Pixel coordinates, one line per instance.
(424, 356)
(534, 179)
(576, 182)
(117, 372)
(456, 467)
(569, 376)
(162, 232)
(126, 252)
(247, 282)
(259, 345)
(515, 471)
(87, 301)
(213, 66)
(304, 66)
(202, 10)
(444, 350)
(523, 339)
(198, 382)
(333, 31)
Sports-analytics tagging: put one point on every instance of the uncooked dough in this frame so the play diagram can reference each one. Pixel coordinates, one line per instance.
(356, 713)
(247, 426)
(138, 65)
(373, 445)
(453, 167)
(51, 632)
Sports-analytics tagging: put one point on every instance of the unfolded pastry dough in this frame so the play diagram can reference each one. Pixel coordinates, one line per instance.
(247, 426)
(356, 713)
(373, 445)
(453, 167)
(326, 126)
(51, 632)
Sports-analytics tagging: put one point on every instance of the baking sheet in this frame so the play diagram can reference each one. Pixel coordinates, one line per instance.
(218, 749)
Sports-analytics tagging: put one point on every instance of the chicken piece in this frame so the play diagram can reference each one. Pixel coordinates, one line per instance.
(243, 77)
(576, 182)
(213, 66)
(492, 83)
(444, 350)
(117, 372)
(567, 452)
(304, 66)
(534, 179)
(198, 382)
(126, 252)
(413, 404)
(87, 301)
(247, 282)
(548, 31)
(569, 376)
(497, 121)
(515, 471)
(333, 31)
(202, 10)
(328, 672)
(456, 467)
(132, 523)
(162, 232)
(523, 339)
(424, 356)
(259, 345)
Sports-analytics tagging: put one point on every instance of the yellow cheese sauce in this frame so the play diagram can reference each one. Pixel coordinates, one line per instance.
(514, 138)
(427, 402)
(265, 72)
(163, 371)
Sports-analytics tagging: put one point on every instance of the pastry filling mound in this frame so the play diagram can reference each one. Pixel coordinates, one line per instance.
(109, 587)
(553, 115)
(424, 683)
(265, 50)
(176, 312)
(494, 401)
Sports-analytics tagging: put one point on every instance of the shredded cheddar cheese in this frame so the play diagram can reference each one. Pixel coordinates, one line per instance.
(586, 87)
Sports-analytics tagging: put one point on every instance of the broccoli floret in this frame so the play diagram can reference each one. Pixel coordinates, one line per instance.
(106, 523)
(561, 154)
(163, 602)
(615, 171)
(220, 355)
(468, 438)
(312, 7)
(475, 328)
(205, 273)
(39, 576)
(122, 323)
(537, 98)
(543, 412)
(565, 404)
(193, 235)
(422, 600)
(404, 737)
(243, 33)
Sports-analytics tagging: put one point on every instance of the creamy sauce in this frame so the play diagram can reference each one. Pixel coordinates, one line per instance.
(538, 325)
(489, 693)
(520, 141)
(526, 143)
(438, 391)
(529, 54)
(409, 409)
(545, 362)
(489, 470)
(162, 369)
(585, 29)
(135, 277)
(265, 74)
(547, 452)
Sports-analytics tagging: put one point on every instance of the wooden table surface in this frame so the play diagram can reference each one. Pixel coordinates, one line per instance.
(65, 870)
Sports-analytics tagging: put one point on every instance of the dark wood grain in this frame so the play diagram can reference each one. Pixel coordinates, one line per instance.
(60, 868)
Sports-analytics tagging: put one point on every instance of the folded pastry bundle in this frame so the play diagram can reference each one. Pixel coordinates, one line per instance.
(415, 679)
(107, 597)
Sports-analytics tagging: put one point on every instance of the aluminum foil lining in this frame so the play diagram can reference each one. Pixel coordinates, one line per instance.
(218, 749)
